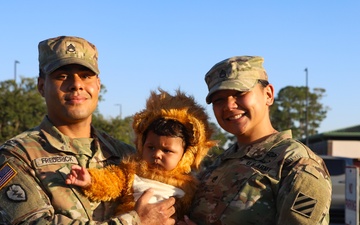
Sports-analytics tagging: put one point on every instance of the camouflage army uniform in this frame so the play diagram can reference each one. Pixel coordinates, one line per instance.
(275, 181)
(33, 168)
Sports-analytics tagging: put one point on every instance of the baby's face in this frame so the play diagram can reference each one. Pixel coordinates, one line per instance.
(162, 151)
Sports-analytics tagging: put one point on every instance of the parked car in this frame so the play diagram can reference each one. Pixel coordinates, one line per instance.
(336, 167)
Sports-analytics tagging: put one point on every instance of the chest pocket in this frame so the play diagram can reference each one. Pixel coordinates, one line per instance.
(52, 172)
(235, 194)
(48, 170)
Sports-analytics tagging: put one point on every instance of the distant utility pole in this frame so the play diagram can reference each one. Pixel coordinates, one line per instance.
(306, 109)
(15, 63)
(120, 113)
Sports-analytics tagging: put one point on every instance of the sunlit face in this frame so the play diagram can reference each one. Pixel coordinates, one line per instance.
(71, 94)
(163, 151)
(243, 113)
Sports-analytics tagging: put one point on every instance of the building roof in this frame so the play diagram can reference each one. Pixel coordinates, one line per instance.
(349, 133)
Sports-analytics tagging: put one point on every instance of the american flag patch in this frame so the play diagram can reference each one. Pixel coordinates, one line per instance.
(6, 174)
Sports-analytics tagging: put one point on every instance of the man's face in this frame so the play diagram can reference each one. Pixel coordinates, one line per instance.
(71, 94)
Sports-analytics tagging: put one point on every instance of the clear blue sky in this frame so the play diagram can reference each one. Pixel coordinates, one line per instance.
(172, 44)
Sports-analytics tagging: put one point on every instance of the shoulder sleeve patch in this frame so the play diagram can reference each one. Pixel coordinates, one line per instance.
(16, 193)
(304, 205)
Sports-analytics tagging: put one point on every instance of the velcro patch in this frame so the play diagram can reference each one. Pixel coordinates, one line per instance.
(6, 174)
(16, 193)
(56, 160)
(304, 205)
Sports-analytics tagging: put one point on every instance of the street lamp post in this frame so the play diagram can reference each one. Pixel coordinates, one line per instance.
(120, 109)
(15, 63)
(306, 108)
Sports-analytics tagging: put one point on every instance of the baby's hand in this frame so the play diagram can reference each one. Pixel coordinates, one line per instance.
(78, 176)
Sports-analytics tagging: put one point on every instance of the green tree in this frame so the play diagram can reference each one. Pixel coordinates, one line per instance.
(22, 107)
(289, 110)
(120, 129)
(223, 138)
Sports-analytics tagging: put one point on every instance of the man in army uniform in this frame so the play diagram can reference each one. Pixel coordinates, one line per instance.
(34, 164)
(267, 177)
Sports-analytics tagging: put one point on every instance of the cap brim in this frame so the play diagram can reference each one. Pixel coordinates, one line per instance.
(51, 67)
(231, 85)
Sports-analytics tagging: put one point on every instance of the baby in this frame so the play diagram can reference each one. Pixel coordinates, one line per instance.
(173, 135)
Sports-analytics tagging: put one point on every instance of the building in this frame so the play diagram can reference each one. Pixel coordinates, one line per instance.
(343, 142)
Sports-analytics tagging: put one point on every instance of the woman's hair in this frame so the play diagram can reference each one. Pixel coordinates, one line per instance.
(264, 83)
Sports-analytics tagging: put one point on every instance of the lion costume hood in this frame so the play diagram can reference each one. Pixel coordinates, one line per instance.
(184, 109)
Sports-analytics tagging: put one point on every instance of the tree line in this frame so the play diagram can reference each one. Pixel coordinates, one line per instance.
(22, 107)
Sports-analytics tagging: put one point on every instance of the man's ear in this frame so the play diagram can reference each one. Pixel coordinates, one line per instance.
(40, 85)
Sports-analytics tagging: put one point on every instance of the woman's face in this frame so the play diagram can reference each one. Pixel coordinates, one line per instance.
(244, 114)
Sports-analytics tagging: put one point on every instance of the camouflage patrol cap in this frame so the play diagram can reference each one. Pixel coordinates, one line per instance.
(239, 73)
(64, 50)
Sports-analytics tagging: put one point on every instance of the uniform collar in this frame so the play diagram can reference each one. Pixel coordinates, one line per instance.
(258, 149)
(63, 143)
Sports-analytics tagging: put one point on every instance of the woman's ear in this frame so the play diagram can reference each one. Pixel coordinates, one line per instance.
(269, 94)
(98, 82)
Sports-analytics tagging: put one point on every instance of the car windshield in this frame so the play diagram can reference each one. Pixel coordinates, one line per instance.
(337, 166)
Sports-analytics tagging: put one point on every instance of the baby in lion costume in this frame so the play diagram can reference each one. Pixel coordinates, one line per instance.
(173, 135)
